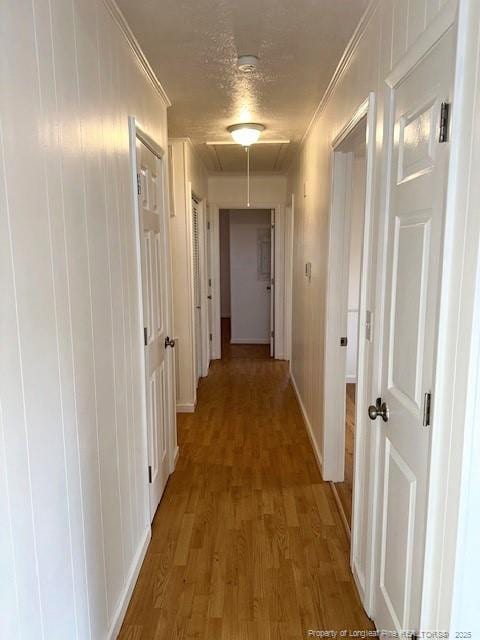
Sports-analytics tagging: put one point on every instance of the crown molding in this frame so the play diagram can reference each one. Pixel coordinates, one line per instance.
(124, 27)
(343, 63)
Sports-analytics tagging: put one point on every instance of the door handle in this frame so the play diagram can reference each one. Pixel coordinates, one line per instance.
(169, 342)
(209, 297)
(269, 288)
(378, 409)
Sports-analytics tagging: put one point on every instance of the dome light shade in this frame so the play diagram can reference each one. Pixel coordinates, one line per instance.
(246, 134)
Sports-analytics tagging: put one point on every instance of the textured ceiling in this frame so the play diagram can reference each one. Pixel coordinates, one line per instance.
(193, 46)
(264, 158)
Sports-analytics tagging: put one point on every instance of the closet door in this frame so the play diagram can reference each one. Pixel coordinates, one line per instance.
(197, 287)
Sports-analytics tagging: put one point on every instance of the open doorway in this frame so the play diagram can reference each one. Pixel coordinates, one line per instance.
(355, 149)
(348, 338)
(246, 282)
(200, 289)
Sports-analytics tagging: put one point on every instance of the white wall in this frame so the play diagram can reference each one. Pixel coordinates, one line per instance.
(73, 491)
(225, 301)
(250, 299)
(226, 190)
(357, 213)
(189, 176)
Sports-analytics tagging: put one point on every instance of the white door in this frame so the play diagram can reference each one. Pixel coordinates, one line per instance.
(417, 203)
(197, 288)
(153, 226)
(272, 283)
(209, 259)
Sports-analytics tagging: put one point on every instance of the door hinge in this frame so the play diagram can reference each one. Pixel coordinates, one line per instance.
(208, 226)
(427, 403)
(139, 185)
(145, 335)
(344, 341)
(149, 474)
(211, 337)
(444, 121)
(272, 334)
(273, 281)
(209, 282)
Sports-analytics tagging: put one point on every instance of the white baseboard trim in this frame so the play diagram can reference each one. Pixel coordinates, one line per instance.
(341, 510)
(351, 379)
(132, 577)
(175, 457)
(187, 407)
(249, 341)
(318, 455)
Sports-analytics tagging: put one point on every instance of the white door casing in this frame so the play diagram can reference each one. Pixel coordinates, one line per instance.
(272, 283)
(153, 243)
(418, 176)
(204, 288)
(197, 308)
(279, 276)
(210, 309)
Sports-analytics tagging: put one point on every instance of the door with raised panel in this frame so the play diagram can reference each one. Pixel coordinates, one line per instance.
(419, 163)
(153, 230)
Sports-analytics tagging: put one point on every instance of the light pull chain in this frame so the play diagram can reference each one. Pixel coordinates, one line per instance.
(247, 149)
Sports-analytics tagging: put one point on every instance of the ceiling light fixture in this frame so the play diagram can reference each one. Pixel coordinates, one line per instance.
(247, 63)
(246, 134)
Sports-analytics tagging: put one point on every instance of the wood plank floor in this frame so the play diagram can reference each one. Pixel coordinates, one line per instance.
(247, 542)
(345, 488)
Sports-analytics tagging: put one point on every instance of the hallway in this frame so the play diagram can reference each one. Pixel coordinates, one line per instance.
(247, 542)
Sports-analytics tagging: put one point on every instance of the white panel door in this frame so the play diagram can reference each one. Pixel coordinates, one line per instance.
(197, 288)
(153, 226)
(417, 203)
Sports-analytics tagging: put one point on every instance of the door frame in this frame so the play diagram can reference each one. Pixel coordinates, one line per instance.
(135, 132)
(455, 408)
(456, 295)
(337, 308)
(203, 268)
(289, 232)
(279, 276)
(272, 282)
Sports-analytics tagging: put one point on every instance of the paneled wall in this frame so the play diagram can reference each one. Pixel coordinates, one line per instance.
(73, 492)
(390, 29)
(189, 175)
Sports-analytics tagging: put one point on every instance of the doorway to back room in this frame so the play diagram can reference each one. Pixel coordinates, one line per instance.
(246, 282)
